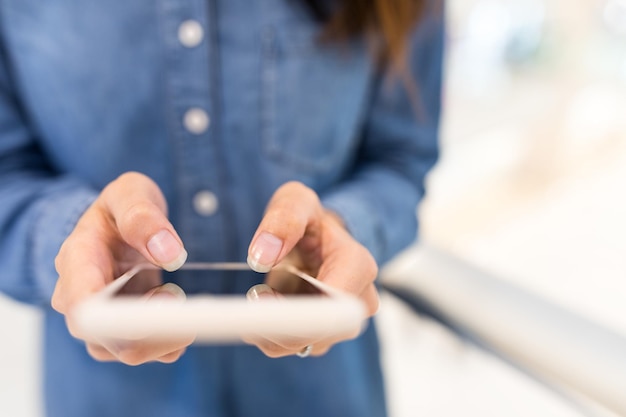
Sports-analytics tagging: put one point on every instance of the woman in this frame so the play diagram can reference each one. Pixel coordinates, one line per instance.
(211, 130)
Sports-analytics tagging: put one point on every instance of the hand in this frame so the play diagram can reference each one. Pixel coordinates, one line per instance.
(296, 227)
(127, 224)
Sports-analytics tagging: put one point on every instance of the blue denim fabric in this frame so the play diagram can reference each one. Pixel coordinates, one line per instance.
(90, 89)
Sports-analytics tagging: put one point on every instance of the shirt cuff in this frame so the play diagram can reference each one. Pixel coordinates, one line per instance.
(58, 214)
(360, 220)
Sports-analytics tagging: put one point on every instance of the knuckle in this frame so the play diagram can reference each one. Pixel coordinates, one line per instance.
(58, 260)
(372, 308)
(299, 189)
(132, 177)
(287, 225)
(272, 350)
(57, 302)
(321, 351)
(131, 181)
(371, 299)
(354, 334)
(292, 346)
(281, 222)
(293, 186)
(274, 355)
(171, 357)
(368, 262)
(71, 328)
(98, 353)
(135, 217)
(136, 213)
(292, 208)
(131, 356)
(62, 256)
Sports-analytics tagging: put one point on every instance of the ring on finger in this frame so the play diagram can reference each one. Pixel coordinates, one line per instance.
(306, 351)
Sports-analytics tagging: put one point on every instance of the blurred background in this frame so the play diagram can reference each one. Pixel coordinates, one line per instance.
(530, 187)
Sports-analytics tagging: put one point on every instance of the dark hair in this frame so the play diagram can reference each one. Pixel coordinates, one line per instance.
(388, 22)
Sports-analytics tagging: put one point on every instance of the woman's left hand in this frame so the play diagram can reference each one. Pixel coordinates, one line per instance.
(297, 227)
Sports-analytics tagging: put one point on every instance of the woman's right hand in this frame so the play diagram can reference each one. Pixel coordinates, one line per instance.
(127, 224)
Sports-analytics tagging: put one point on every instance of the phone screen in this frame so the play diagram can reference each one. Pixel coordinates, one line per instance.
(218, 279)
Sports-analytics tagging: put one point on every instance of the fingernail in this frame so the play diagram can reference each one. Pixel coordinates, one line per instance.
(260, 291)
(264, 253)
(167, 251)
(169, 290)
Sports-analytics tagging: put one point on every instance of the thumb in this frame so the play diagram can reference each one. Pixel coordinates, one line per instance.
(293, 210)
(138, 209)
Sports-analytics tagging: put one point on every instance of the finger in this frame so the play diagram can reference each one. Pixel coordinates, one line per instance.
(172, 357)
(276, 348)
(293, 211)
(354, 278)
(371, 299)
(322, 347)
(269, 348)
(138, 209)
(288, 346)
(348, 266)
(283, 345)
(102, 355)
(147, 350)
(99, 353)
(279, 345)
(161, 350)
(276, 345)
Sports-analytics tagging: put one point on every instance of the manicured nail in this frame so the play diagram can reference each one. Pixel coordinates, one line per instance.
(167, 251)
(260, 291)
(264, 253)
(169, 290)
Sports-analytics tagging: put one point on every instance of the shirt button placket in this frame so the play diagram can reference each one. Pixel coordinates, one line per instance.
(196, 121)
(190, 35)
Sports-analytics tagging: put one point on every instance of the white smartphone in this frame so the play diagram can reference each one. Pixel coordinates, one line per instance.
(306, 308)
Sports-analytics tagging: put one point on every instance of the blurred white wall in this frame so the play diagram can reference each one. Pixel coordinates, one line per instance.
(19, 360)
(534, 149)
(529, 187)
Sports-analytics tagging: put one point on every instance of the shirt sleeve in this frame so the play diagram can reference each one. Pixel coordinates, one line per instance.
(38, 206)
(400, 145)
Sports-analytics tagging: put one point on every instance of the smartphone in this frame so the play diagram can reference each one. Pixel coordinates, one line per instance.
(216, 308)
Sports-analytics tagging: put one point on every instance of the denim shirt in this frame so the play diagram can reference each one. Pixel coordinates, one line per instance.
(220, 102)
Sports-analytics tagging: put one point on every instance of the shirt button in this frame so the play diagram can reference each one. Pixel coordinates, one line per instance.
(196, 121)
(190, 33)
(205, 203)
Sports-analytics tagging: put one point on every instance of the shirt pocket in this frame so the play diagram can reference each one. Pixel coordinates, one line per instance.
(312, 98)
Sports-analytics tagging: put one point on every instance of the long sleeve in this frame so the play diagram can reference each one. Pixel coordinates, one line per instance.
(378, 203)
(38, 207)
